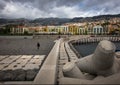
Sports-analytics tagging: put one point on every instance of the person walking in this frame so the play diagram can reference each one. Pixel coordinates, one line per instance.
(38, 45)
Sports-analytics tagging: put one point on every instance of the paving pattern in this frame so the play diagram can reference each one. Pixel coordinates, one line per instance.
(25, 62)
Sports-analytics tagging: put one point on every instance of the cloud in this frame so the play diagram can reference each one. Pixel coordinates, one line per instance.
(18, 10)
(32, 9)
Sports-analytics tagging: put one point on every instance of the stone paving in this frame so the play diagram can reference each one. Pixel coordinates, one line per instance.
(29, 62)
(20, 67)
(21, 46)
(20, 60)
(13, 62)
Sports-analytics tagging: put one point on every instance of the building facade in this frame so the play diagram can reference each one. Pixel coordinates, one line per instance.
(18, 30)
(98, 30)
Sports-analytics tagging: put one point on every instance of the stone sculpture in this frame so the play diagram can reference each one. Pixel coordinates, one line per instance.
(102, 62)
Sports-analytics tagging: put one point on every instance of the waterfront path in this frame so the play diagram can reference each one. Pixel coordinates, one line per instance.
(51, 69)
(28, 46)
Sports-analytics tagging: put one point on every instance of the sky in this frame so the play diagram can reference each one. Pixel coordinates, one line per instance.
(31, 9)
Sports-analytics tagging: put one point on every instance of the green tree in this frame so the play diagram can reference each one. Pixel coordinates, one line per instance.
(26, 33)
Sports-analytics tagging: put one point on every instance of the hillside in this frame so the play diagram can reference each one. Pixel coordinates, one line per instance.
(56, 21)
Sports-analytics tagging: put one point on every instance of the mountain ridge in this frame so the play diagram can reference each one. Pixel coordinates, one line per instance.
(57, 21)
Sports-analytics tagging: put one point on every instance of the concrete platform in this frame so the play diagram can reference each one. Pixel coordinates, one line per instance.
(25, 62)
(51, 70)
(31, 66)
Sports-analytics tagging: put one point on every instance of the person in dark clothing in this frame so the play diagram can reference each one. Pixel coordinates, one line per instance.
(38, 45)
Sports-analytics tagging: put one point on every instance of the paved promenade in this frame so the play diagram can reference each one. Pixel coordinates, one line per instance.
(49, 71)
(26, 62)
(20, 67)
(21, 46)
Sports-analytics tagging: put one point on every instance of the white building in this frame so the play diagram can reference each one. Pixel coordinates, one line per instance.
(81, 30)
(98, 30)
(18, 30)
(57, 29)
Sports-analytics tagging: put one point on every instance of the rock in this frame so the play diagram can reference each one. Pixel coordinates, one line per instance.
(20, 77)
(2, 73)
(101, 67)
(101, 62)
(8, 77)
(103, 57)
(21, 74)
(99, 78)
(19, 71)
(72, 71)
(30, 75)
(117, 54)
(89, 76)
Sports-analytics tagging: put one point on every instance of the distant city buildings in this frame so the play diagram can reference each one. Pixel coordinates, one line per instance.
(91, 28)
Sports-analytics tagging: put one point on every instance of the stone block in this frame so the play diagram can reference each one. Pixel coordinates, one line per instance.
(64, 58)
(62, 62)
(9, 76)
(102, 62)
(2, 73)
(7, 61)
(72, 71)
(3, 57)
(30, 75)
(35, 61)
(27, 56)
(39, 57)
(72, 81)
(31, 66)
(117, 54)
(3, 66)
(21, 74)
(22, 61)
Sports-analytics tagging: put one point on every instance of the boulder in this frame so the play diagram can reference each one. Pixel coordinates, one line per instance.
(30, 75)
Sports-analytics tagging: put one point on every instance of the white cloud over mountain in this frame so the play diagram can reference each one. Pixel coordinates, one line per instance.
(32, 9)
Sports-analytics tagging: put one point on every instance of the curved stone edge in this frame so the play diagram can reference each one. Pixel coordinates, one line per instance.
(71, 54)
(74, 50)
(73, 39)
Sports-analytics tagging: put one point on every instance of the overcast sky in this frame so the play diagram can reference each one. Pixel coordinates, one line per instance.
(32, 9)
